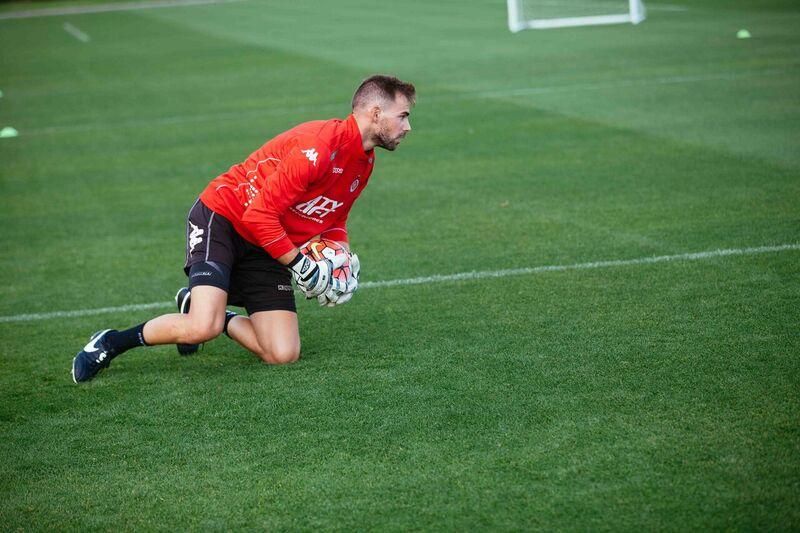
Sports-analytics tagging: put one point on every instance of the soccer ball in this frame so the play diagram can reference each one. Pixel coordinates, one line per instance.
(319, 249)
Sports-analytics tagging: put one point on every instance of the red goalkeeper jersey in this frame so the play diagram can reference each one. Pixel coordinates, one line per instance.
(300, 184)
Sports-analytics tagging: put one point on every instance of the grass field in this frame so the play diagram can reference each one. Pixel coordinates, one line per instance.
(638, 395)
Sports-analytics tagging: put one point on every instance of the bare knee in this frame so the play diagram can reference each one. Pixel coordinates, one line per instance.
(203, 330)
(281, 354)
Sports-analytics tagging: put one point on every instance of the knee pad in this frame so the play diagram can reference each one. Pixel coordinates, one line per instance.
(210, 273)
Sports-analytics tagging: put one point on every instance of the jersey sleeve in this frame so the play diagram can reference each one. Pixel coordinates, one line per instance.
(303, 163)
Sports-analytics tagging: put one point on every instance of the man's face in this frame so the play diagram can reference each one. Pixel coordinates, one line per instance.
(393, 123)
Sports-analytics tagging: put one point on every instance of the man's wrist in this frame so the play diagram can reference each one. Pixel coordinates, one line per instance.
(290, 258)
(297, 258)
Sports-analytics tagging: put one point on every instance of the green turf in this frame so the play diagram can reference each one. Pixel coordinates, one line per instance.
(641, 397)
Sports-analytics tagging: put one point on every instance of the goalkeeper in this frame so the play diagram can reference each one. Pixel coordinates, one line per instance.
(243, 233)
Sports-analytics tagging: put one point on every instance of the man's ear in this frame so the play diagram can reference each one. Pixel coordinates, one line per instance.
(375, 113)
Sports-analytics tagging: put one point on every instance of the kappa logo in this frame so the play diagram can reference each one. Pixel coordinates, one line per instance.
(311, 154)
(319, 206)
(195, 237)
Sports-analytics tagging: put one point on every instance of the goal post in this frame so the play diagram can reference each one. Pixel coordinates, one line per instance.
(544, 14)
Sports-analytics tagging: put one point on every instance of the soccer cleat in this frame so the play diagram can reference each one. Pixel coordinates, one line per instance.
(94, 357)
(184, 299)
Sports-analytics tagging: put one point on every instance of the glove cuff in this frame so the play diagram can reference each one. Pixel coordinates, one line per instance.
(299, 257)
(302, 267)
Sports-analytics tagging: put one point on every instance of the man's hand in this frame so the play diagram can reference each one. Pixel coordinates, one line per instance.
(314, 277)
(337, 295)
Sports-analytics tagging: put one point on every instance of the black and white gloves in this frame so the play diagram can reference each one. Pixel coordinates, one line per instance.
(313, 278)
(319, 279)
(340, 293)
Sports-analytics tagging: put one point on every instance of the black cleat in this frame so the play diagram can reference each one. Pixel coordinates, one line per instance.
(94, 357)
(184, 300)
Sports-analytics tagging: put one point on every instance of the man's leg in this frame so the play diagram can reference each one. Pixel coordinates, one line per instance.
(205, 321)
(274, 336)
(183, 299)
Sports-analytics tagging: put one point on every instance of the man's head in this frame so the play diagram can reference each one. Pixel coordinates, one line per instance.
(381, 105)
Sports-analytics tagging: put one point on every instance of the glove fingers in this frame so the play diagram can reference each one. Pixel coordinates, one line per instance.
(343, 299)
(338, 286)
(352, 285)
(338, 261)
(355, 265)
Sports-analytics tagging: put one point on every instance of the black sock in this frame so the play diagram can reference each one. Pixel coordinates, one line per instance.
(228, 317)
(122, 341)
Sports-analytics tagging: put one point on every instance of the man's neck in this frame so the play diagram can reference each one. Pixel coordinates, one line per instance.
(364, 128)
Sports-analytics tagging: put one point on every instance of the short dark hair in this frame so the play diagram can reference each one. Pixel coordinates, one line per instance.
(384, 88)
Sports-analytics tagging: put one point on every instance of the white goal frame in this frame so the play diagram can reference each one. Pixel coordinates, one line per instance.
(516, 21)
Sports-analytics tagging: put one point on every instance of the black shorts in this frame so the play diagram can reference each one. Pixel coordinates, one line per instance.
(218, 256)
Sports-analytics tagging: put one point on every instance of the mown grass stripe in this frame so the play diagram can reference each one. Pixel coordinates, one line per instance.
(105, 8)
(441, 278)
(149, 122)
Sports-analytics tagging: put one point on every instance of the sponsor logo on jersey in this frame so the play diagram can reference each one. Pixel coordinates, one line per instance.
(311, 154)
(337, 170)
(195, 237)
(319, 206)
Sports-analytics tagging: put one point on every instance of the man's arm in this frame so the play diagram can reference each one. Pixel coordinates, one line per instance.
(289, 257)
(282, 189)
(292, 177)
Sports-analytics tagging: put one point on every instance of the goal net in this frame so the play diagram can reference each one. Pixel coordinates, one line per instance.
(541, 14)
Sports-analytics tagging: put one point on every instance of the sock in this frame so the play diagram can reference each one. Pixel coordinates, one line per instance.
(228, 317)
(122, 341)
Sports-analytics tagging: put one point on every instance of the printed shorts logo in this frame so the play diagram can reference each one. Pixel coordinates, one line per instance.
(285, 288)
(195, 237)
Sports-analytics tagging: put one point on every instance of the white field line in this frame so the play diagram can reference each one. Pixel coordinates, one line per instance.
(105, 8)
(442, 278)
(75, 32)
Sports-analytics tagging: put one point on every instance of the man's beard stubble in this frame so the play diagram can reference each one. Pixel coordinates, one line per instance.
(387, 142)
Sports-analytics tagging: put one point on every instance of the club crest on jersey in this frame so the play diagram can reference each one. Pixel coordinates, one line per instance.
(311, 154)
(319, 206)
